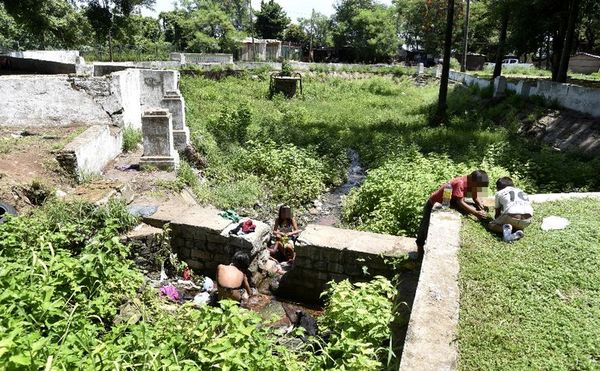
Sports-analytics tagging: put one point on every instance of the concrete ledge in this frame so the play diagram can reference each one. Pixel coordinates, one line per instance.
(91, 151)
(539, 198)
(365, 242)
(431, 340)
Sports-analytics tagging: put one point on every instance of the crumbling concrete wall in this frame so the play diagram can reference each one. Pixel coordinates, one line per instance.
(90, 151)
(34, 100)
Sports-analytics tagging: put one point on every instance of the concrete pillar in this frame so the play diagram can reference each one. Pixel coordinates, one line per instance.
(174, 102)
(420, 69)
(157, 132)
(499, 86)
(438, 71)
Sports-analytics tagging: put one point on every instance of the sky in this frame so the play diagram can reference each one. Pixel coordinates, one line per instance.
(293, 8)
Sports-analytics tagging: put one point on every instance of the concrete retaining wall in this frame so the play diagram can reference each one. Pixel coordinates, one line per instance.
(431, 339)
(35, 100)
(577, 98)
(33, 66)
(199, 58)
(61, 56)
(200, 237)
(91, 151)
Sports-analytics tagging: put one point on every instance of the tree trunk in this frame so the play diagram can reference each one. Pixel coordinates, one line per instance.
(566, 52)
(440, 117)
(463, 65)
(501, 43)
(558, 43)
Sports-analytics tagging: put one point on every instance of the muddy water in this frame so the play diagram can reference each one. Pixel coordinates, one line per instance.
(329, 213)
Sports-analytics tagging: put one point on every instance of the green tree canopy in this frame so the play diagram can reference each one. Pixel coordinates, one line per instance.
(271, 20)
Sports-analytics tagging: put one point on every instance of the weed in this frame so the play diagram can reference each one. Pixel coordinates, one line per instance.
(131, 138)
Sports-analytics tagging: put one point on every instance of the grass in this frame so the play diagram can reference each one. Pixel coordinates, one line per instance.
(533, 304)
(131, 138)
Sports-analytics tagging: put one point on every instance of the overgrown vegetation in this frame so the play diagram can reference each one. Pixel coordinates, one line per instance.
(64, 275)
(291, 150)
(535, 303)
(131, 138)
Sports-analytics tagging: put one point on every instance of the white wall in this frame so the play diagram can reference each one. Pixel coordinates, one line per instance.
(577, 98)
(62, 56)
(47, 100)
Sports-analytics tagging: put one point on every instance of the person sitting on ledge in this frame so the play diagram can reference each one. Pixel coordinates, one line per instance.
(232, 279)
(285, 231)
(473, 183)
(513, 210)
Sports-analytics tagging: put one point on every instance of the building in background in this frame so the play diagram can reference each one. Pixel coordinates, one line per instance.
(584, 63)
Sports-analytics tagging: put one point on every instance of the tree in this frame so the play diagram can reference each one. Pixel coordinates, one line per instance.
(47, 23)
(442, 99)
(271, 20)
(296, 34)
(375, 37)
(200, 27)
(239, 12)
(319, 26)
(104, 14)
(568, 44)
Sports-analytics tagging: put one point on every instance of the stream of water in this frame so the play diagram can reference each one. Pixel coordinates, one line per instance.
(331, 208)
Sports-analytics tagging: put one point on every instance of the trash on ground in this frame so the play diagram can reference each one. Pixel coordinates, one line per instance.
(142, 210)
(170, 291)
(554, 223)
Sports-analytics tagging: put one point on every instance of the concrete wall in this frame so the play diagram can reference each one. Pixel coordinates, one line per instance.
(33, 66)
(577, 98)
(61, 56)
(430, 342)
(200, 237)
(34, 100)
(584, 63)
(199, 58)
(91, 151)
(128, 87)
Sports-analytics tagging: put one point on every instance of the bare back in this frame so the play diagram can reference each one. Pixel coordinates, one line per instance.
(229, 276)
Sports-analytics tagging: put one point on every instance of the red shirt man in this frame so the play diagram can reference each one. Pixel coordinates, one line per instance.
(472, 183)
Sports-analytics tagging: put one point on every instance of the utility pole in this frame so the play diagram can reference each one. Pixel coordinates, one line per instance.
(252, 30)
(463, 65)
(311, 57)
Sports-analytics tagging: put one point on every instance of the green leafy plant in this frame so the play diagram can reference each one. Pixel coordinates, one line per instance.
(131, 138)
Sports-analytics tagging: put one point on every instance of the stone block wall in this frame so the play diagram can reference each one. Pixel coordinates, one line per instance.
(200, 237)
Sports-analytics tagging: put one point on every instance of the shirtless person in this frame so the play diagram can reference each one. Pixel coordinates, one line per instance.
(232, 278)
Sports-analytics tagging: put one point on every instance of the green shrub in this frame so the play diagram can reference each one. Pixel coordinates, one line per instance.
(294, 175)
(131, 138)
(231, 125)
(358, 317)
(392, 197)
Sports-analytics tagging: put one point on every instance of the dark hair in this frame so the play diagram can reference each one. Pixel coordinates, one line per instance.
(241, 260)
(282, 208)
(480, 177)
(504, 182)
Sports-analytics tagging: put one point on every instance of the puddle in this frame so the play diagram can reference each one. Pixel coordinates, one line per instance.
(331, 208)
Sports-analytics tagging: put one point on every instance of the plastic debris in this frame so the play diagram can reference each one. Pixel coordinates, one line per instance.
(554, 223)
(142, 210)
(163, 275)
(201, 299)
(208, 284)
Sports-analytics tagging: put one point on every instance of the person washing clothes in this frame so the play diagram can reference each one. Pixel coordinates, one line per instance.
(232, 280)
(473, 183)
(285, 231)
(513, 210)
